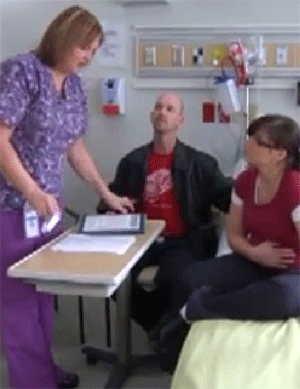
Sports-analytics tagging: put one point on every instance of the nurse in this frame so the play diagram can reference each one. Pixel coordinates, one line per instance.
(43, 117)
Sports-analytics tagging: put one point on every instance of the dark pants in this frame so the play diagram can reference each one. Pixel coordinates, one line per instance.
(173, 256)
(233, 287)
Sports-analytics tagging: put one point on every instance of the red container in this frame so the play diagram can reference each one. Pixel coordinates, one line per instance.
(208, 112)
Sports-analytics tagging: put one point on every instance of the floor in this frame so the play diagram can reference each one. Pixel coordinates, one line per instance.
(67, 349)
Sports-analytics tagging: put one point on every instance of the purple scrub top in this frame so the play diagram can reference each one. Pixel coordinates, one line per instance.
(45, 122)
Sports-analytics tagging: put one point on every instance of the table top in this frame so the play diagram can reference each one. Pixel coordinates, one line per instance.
(85, 267)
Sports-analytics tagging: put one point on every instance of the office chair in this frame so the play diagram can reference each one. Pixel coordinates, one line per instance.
(147, 275)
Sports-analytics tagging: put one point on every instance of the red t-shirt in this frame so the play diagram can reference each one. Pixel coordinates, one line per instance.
(159, 198)
(272, 221)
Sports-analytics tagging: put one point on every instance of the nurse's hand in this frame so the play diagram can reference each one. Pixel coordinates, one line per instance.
(119, 204)
(44, 203)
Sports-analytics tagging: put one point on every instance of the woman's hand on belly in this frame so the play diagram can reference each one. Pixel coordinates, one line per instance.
(269, 254)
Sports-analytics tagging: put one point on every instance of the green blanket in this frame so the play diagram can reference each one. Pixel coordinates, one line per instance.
(227, 354)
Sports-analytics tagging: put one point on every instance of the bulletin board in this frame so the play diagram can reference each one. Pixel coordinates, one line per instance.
(195, 52)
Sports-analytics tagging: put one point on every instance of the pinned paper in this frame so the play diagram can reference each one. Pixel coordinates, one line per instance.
(218, 52)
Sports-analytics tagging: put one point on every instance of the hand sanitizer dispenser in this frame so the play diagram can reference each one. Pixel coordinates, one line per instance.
(113, 95)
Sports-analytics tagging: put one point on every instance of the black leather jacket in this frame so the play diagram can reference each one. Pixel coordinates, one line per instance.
(198, 183)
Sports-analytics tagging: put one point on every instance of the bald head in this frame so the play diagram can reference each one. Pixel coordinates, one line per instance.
(167, 115)
(174, 97)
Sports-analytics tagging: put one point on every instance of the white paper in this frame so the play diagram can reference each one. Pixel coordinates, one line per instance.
(95, 243)
(112, 50)
(98, 223)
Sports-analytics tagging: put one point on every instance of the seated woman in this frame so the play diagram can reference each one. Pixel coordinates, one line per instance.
(260, 280)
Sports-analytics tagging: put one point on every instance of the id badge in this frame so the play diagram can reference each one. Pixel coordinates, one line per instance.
(31, 222)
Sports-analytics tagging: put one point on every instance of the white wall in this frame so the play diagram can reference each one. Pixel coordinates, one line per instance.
(109, 138)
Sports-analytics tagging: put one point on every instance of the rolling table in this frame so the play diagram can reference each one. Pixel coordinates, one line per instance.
(96, 275)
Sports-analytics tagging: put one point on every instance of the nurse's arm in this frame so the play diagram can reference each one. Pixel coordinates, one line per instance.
(13, 171)
(82, 163)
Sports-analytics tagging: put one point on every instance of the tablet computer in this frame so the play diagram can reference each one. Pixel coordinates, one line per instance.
(113, 224)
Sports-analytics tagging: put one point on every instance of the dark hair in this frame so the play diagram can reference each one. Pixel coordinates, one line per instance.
(75, 26)
(283, 132)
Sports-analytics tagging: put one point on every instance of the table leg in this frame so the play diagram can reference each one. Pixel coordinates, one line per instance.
(121, 368)
(123, 361)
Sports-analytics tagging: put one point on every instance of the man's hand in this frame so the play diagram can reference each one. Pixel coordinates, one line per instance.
(268, 254)
(44, 203)
(119, 204)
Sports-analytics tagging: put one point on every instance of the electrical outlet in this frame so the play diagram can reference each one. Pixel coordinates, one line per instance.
(178, 55)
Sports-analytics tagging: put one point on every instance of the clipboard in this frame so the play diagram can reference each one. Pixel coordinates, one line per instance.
(133, 223)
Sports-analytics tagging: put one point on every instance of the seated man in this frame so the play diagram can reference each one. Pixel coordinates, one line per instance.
(171, 181)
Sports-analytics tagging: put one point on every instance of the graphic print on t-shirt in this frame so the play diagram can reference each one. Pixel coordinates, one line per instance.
(159, 199)
(157, 183)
